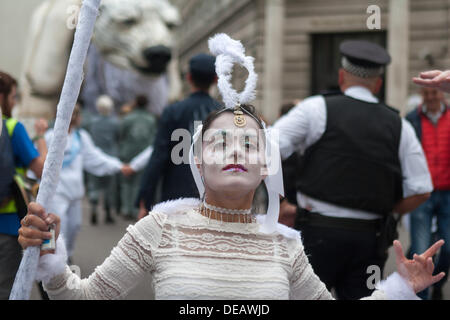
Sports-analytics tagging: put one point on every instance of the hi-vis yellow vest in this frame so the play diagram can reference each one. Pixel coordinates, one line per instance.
(10, 207)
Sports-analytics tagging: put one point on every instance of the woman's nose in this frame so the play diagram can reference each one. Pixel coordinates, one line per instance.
(238, 152)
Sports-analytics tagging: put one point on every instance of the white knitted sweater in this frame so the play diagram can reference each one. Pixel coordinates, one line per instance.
(192, 257)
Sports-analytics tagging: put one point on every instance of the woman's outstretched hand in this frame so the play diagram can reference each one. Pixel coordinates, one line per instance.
(35, 227)
(419, 271)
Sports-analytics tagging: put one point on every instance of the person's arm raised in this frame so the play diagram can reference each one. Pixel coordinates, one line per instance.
(418, 272)
(37, 165)
(434, 79)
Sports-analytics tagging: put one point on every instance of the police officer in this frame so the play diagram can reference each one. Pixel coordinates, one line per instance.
(177, 180)
(361, 163)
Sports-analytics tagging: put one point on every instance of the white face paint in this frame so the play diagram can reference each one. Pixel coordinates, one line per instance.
(232, 157)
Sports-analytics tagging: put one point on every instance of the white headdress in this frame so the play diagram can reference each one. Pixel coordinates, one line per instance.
(228, 52)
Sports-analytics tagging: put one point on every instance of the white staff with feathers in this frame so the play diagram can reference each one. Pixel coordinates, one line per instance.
(26, 274)
(228, 52)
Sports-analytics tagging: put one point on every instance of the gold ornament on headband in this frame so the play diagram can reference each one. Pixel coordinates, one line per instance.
(239, 118)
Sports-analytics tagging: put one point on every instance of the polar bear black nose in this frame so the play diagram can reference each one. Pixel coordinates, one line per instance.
(158, 55)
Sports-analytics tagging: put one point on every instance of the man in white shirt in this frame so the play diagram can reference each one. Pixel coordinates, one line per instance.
(361, 163)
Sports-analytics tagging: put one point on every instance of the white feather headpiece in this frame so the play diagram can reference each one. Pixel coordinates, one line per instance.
(228, 52)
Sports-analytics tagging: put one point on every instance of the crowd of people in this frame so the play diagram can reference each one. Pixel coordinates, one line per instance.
(352, 167)
(97, 157)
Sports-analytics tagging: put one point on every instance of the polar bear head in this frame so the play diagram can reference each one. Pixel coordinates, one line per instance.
(137, 34)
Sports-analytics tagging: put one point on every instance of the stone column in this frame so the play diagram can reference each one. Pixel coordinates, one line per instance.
(273, 59)
(398, 46)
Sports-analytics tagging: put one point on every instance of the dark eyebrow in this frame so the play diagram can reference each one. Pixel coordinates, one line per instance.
(227, 134)
(250, 135)
(219, 133)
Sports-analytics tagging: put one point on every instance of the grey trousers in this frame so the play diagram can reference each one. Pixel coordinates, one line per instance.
(10, 257)
(102, 185)
(129, 190)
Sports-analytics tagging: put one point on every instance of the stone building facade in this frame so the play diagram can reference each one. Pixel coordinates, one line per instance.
(295, 42)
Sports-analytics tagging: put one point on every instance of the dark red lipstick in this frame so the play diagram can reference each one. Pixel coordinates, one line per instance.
(235, 167)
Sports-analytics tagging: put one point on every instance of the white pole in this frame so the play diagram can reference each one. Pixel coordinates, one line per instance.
(26, 274)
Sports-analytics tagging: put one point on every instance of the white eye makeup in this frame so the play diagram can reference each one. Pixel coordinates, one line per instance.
(220, 140)
(249, 141)
(223, 140)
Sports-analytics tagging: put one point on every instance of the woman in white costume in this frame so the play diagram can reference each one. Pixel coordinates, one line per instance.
(215, 248)
(80, 154)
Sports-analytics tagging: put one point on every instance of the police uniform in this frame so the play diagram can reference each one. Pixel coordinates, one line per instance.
(359, 159)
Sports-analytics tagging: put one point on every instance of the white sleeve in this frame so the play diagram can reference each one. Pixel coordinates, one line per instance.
(141, 160)
(131, 260)
(395, 287)
(95, 161)
(302, 126)
(51, 265)
(416, 176)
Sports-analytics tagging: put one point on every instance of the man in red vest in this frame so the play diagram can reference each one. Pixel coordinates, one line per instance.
(431, 122)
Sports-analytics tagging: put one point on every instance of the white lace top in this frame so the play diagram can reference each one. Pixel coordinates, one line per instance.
(192, 257)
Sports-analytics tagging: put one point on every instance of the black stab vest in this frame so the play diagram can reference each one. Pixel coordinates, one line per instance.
(355, 164)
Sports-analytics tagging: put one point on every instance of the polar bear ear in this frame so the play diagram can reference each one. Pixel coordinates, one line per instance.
(107, 9)
(121, 13)
(169, 13)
